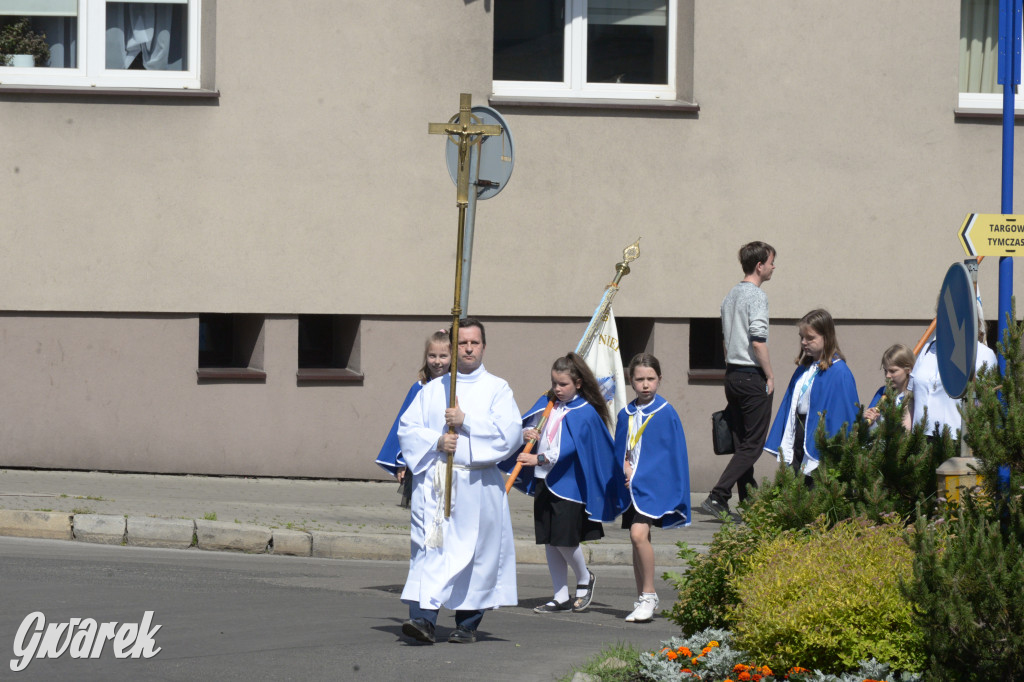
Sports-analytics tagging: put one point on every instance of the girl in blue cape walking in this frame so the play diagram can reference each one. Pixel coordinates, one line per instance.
(650, 442)
(575, 478)
(822, 388)
(437, 357)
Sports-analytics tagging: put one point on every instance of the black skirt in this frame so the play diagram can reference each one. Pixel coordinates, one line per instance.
(631, 516)
(559, 522)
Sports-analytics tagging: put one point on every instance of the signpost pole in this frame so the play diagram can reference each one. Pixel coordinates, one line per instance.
(1009, 48)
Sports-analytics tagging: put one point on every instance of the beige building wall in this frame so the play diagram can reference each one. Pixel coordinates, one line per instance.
(310, 185)
(120, 392)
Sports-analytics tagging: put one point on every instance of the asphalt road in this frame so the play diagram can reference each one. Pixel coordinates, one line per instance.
(231, 616)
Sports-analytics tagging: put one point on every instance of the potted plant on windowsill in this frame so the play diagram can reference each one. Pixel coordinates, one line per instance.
(21, 46)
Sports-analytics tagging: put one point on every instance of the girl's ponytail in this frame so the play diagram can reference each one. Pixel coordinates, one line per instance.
(589, 389)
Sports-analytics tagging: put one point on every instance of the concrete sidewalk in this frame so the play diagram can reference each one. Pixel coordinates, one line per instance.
(321, 518)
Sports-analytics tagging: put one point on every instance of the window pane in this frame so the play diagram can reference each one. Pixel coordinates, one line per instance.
(529, 40)
(627, 41)
(50, 39)
(147, 35)
(979, 46)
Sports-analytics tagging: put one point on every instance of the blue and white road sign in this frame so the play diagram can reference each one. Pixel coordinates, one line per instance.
(956, 330)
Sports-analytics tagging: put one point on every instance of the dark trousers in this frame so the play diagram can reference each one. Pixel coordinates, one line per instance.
(468, 619)
(750, 411)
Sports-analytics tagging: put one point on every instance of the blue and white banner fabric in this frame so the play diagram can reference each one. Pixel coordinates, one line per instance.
(604, 361)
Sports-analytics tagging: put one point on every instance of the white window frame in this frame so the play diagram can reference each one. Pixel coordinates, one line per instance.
(574, 66)
(986, 102)
(91, 58)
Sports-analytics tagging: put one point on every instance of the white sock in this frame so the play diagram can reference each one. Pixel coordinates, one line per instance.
(573, 556)
(559, 571)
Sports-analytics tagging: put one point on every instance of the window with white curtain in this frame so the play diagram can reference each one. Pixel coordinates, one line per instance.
(622, 49)
(99, 43)
(979, 56)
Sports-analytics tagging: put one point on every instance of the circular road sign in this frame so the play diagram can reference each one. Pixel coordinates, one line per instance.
(956, 330)
(491, 167)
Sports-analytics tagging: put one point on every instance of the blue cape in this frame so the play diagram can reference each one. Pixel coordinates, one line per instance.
(833, 394)
(587, 470)
(878, 396)
(661, 481)
(390, 456)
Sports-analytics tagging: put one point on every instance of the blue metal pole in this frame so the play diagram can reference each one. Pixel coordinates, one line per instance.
(1010, 18)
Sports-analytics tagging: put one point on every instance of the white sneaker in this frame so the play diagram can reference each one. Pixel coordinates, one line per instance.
(644, 612)
(630, 618)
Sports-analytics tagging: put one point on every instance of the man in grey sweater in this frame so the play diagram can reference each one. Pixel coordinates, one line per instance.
(749, 380)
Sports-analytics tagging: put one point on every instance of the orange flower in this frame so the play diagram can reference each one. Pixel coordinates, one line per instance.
(798, 669)
(712, 643)
(685, 670)
(693, 661)
(765, 670)
(705, 651)
(740, 667)
(756, 678)
(743, 676)
(671, 655)
(683, 651)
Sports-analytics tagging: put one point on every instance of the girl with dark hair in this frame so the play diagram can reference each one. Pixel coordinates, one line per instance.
(649, 440)
(574, 476)
(822, 388)
(437, 358)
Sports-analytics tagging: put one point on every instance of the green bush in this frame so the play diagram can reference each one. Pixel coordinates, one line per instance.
(969, 589)
(829, 598)
(705, 591)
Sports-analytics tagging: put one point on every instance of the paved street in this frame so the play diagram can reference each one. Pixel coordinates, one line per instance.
(233, 616)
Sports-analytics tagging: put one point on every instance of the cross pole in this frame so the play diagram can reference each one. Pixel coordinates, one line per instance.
(463, 131)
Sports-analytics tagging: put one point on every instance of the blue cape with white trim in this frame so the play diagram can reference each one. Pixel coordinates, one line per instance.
(833, 395)
(390, 456)
(587, 470)
(660, 487)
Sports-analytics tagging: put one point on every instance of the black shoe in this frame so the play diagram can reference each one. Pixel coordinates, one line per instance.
(714, 507)
(553, 607)
(419, 629)
(583, 603)
(462, 635)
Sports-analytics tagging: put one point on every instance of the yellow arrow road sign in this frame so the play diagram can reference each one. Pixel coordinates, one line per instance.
(992, 234)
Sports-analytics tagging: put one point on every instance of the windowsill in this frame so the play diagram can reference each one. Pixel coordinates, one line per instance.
(672, 105)
(231, 373)
(989, 114)
(706, 375)
(329, 374)
(58, 90)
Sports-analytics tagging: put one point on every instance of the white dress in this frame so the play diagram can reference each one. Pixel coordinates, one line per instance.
(474, 567)
(926, 385)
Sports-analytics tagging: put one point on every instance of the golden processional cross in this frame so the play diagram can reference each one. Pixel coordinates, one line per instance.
(463, 131)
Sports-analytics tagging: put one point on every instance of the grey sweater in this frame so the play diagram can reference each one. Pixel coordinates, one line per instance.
(744, 320)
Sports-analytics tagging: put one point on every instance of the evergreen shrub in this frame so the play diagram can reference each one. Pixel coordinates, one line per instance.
(968, 585)
(830, 598)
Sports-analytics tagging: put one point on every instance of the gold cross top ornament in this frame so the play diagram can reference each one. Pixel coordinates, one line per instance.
(463, 129)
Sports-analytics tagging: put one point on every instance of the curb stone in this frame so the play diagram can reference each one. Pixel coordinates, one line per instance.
(292, 542)
(144, 531)
(237, 537)
(352, 546)
(33, 524)
(104, 529)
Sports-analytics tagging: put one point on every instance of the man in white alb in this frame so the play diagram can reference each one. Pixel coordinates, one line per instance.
(466, 562)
